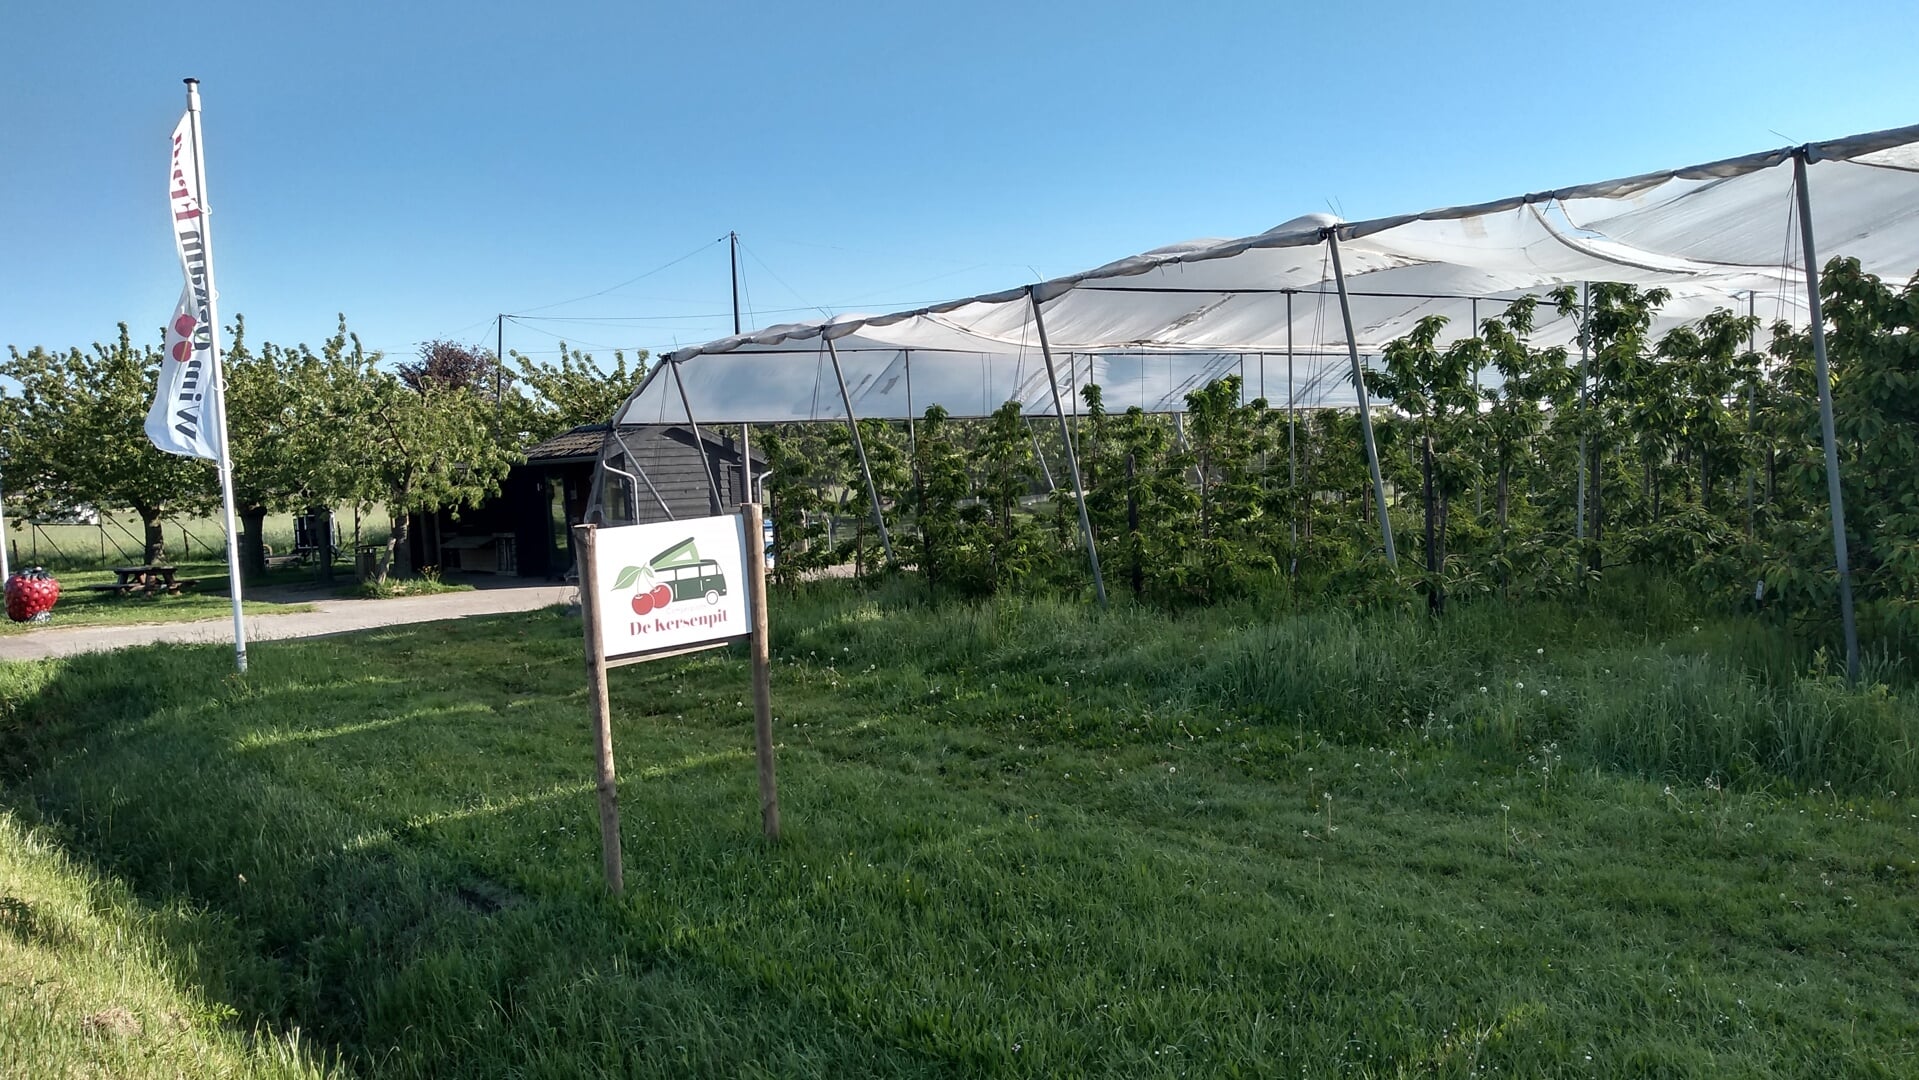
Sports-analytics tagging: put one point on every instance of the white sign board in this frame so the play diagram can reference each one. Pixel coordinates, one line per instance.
(671, 585)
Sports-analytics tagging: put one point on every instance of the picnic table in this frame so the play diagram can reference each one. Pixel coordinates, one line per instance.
(151, 578)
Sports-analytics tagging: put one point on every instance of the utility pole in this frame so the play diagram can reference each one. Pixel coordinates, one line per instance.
(746, 430)
(733, 251)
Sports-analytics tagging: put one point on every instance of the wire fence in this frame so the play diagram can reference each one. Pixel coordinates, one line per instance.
(119, 539)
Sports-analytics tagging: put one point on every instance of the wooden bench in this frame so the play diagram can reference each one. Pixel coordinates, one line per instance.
(144, 579)
(275, 562)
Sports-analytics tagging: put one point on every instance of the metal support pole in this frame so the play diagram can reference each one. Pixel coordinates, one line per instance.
(1044, 468)
(1292, 432)
(912, 437)
(859, 447)
(1827, 433)
(699, 442)
(6, 570)
(1479, 485)
(1585, 363)
(1072, 457)
(746, 464)
(1292, 404)
(1752, 410)
(1365, 406)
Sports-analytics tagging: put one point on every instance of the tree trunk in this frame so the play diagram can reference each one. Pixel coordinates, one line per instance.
(1647, 505)
(1435, 600)
(1505, 493)
(1205, 503)
(859, 548)
(1596, 505)
(323, 521)
(1505, 496)
(253, 549)
(156, 540)
(1132, 529)
(928, 567)
(399, 549)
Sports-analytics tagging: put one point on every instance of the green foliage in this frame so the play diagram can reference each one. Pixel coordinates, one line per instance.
(1874, 356)
(554, 397)
(795, 494)
(1434, 388)
(948, 520)
(428, 583)
(75, 436)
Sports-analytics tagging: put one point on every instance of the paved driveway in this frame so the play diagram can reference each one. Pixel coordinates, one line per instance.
(327, 617)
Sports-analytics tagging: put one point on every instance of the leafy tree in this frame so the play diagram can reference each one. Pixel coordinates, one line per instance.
(297, 420)
(1529, 381)
(559, 396)
(1617, 326)
(1434, 387)
(1007, 473)
(1873, 348)
(942, 488)
(1226, 442)
(76, 436)
(426, 450)
(886, 457)
(796, 505)
(450, 365)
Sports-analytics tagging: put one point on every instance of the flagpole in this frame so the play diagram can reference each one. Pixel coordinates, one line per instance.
(5, 570)
(219, 383)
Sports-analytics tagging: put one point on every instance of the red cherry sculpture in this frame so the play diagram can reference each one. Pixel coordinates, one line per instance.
(31, 595)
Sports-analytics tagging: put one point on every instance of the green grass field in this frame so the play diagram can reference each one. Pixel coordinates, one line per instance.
(1021, 839)
(208, 599)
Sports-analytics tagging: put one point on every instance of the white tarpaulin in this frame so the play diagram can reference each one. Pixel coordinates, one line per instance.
(1151, 328)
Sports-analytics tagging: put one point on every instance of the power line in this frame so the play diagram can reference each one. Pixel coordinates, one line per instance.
(628, 281)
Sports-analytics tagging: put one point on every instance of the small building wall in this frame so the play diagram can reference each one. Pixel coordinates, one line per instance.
(526, 529)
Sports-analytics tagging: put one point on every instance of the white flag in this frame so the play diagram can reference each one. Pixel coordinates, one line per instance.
(185, 417)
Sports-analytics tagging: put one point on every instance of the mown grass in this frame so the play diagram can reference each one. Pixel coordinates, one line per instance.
(208, 599)
(1022, 839)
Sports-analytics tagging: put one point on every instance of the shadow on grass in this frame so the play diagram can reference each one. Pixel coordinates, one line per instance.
(406, 873)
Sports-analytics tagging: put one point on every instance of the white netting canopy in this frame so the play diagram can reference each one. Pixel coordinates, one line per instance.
(1151, 328)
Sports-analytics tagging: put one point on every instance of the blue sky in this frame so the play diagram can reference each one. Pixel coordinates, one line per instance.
(422, 166)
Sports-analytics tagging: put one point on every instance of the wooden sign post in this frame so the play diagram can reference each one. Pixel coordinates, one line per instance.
(679, 603)
(762, 672)
(610, 860)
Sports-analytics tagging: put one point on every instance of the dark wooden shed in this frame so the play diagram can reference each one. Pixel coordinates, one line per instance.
(527, 528)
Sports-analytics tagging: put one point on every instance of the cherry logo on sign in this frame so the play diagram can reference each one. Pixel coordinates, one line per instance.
(657, 597)
(678, 573)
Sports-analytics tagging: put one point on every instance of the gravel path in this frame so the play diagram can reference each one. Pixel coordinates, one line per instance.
(330, 616)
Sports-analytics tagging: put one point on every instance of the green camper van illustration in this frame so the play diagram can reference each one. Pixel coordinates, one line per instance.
(676, 574)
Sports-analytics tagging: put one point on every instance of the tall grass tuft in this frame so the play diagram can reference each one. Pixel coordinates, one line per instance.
(1698, 718)
(1644, 690)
